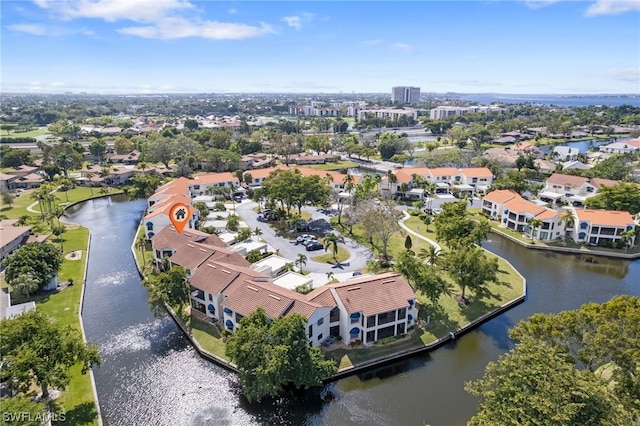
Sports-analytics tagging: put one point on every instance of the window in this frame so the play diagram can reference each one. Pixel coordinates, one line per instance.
(402, 313)
(400, 329)
(311, 330)
(321, 321)
(149, 226)
(238, 318)
(371, 321)
(210, 297)
(320, 336)
(334, 316)
(386, 317)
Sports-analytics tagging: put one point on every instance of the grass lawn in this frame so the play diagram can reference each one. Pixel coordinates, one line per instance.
(341, 256)
(30, 134)
(447, 316)
(208, 336)
(63, 306)
(334, 166)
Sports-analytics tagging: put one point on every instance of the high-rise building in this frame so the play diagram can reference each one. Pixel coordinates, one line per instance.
(405, 94)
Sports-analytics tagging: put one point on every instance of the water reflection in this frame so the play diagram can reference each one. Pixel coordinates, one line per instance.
(152, 376)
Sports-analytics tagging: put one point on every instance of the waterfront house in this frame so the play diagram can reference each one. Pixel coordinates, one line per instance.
(369, 308)
(565, 153)
(515, 213)
(597, 227)
(571, 189)
(168, 240)
(157, 217)
(621, 147)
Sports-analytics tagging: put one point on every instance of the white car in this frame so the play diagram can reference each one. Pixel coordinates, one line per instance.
(304, 238)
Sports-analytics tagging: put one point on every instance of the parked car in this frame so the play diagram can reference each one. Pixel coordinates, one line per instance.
(356, 274)
(437, 210)
(301, 239)
(314, 245)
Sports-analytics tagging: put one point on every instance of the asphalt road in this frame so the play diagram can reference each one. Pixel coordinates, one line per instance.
(320, 225)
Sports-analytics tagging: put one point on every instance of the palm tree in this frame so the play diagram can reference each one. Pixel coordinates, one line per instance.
(627, 237)
(301, 260)
(257, 232)
(64, 160)
(431, 255)
(141, 243)
(330, 276)
(568, 219)
(26, 284)
(391, 179)
(23, 220)
(332, 240)
(534, 223)
(89, 176)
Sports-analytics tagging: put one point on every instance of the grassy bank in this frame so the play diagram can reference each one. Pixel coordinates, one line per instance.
(77, 401)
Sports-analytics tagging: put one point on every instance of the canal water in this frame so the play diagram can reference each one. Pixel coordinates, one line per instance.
(151, 375)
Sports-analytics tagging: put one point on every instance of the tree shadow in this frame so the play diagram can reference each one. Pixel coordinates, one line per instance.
(83, 414)
(438, 319)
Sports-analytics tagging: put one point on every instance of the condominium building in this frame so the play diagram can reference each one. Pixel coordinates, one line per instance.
(405, 94)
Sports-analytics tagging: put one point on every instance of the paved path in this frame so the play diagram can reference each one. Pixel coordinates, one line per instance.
(359, 255)
(406, 228)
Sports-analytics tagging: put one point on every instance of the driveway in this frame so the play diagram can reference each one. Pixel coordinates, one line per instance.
(319, 224)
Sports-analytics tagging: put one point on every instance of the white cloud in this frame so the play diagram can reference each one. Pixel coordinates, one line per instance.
(296, 21)
(232, 11)
(162, 19)
(293, 21)
(624, 74)
(33, 29)
(114, 10)
(173, 28)
(406, 48)
(613, 7)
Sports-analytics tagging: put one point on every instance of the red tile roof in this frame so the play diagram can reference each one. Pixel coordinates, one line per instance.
(375, 294)
(605, 217)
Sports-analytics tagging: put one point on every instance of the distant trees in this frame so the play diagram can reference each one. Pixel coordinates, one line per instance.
(391, 144)
(144, 185)
(272, 354)
(538, 381)
(36, 350)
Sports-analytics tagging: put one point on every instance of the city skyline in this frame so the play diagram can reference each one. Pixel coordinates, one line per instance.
(180, 46)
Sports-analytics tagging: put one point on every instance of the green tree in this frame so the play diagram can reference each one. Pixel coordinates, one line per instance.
(254, 256)
(243, 235)
(98, 148)
(470, 268)
(422, 278)
(382, 222)
(36, 350)
(535, 385)
(26, 284)
(42, 260)
(159, 149)
(64, 160)
(232, 222)
(203, 210)
(457, 229)
(331, 241)
(622, 197)
(17, 405)
(7, 198)
(567, 219)
(273, 354)
(144, 185)
(601, 338)
(431, 255)
(141, 243)
(534, 224)
(301, 260)
(168, 288)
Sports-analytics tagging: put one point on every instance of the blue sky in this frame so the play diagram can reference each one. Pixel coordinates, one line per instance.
(150, 46)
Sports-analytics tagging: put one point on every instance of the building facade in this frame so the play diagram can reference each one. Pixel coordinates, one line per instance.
(405, 94)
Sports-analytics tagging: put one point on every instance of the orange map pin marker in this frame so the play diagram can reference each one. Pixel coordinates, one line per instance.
(180, 214)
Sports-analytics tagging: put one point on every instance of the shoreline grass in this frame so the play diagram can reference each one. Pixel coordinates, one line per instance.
(77, 401)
